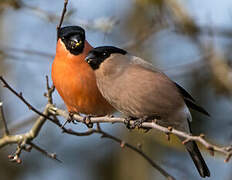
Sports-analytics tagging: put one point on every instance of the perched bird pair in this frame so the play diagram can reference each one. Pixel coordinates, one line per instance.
(104, 79)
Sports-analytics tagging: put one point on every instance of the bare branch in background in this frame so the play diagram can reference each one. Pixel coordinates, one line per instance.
(2, 118)
(15, 50)
(20, 95)
(22, 139)
(148, 32)
(221, 73)
(103, 24)
(62, 17)
(16, 4)
(220, 70)
(43, 151)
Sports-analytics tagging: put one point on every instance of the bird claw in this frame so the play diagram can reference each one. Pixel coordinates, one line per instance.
(69, 119)
(137, 123)
(87, 121)
(140, 121)
(128, 124)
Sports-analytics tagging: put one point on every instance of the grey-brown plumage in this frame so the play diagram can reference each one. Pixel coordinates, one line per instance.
(137, 89)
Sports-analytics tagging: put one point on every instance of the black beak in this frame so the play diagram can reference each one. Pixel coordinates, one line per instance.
(90, 57)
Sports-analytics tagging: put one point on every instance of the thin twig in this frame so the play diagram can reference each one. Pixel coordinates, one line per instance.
(137, 150)
(43, 151)
(31, 134)
(62, 17)
(106, 119)
(23, 139)
(20, 96)
(50, 90)
(3, 119)
(26, 51)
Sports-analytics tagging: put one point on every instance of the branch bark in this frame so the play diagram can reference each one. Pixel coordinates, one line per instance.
(50, 110)
(226, 150)
(2, 118)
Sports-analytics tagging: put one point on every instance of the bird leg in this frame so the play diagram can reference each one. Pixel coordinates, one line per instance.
(87, 121)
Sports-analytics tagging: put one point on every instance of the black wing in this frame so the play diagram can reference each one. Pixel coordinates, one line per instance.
(184, 92)
(189, 101)
(194, 106)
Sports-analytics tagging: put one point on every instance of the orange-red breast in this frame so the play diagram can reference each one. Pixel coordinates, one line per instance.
(73, 78)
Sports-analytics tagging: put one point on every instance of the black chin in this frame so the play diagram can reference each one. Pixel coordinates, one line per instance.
(76, 51)
(94, 65)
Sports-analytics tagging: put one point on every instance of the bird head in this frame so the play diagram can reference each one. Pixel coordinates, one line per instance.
(73, 38)
(99, 54)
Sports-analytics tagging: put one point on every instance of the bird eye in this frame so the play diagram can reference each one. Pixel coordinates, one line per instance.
(104, 54)
(79, 41)
(75, 43)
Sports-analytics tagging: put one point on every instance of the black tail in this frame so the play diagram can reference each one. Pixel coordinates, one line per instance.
(197, 159)
(195, 107)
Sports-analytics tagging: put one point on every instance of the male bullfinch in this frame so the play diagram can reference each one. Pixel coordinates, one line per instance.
(137, 89)
(73, 78)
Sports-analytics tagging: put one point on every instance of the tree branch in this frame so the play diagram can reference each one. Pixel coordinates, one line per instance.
(23, 139)
(2, 118)
(28, 136)
(167, 130)
(227, 151)
(26, 51)
(20, 96)
(137, 150)
(62, 17)
(43, 151)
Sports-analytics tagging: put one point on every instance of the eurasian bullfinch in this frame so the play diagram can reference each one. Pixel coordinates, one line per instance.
(137, 89)
(73, 78)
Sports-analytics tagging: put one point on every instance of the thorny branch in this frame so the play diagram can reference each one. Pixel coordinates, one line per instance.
(24, 141)
(167, 130)
(2, 118)
(20, 95)
(50, 110)
(107, 119)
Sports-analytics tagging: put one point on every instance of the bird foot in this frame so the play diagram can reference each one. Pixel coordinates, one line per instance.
(128, 123)
(87, 121)
(137, 123)
(70, 119)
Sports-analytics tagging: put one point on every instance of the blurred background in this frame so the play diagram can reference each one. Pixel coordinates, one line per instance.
(189, 40)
